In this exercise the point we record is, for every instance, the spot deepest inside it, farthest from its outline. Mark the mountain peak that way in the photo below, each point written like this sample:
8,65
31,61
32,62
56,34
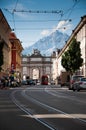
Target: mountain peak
48,44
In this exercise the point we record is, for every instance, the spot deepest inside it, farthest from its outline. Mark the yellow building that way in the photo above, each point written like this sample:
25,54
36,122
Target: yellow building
16,49
11,44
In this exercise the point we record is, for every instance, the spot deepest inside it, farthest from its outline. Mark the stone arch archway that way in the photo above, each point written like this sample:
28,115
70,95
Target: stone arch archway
35,73
24,76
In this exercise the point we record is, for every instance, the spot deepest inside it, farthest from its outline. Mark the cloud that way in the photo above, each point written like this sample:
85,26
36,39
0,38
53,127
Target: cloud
63,26
45,32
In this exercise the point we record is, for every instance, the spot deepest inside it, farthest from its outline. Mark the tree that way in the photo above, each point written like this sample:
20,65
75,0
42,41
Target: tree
71,59
1,55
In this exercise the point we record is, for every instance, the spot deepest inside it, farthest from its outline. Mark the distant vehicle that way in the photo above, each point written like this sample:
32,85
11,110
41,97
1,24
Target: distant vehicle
38,82
24,82
80,84
44,80
52,82
31,82
73,79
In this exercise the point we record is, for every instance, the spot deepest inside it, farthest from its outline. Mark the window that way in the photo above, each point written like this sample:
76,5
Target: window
24,70
24,59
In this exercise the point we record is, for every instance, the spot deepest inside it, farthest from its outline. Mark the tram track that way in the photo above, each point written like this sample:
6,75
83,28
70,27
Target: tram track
28,112
52,112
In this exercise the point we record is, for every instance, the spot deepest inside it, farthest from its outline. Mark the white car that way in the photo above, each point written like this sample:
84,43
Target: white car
73,80
80,84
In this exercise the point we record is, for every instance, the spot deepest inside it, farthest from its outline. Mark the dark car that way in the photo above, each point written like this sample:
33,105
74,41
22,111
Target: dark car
24,82
80,84
73,79
31,82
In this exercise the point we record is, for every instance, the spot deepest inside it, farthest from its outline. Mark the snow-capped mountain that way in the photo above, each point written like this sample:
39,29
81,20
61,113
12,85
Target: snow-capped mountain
48,44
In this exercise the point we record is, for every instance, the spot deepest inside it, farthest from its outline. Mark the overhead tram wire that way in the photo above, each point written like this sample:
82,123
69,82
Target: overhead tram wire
26,29
32,28
70,10
16,4
36,11
13,11
50,20
13,15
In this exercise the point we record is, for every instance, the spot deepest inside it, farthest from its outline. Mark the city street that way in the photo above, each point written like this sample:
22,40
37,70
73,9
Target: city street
43,108
42,65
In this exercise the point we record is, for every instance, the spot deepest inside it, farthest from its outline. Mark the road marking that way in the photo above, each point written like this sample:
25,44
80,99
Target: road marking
23,108
73,116
39,117
49,108
51,116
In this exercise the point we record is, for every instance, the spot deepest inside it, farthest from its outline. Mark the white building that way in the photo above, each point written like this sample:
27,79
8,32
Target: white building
80,34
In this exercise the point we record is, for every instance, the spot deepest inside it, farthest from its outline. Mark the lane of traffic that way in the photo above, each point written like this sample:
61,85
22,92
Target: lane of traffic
45,112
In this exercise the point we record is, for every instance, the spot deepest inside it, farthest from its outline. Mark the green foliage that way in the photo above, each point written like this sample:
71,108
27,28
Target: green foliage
1,55
71,59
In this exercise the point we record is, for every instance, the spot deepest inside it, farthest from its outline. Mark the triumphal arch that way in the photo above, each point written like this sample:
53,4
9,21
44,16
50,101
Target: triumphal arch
36,65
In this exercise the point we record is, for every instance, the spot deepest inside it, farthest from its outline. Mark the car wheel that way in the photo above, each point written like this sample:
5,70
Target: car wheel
78,89
73,89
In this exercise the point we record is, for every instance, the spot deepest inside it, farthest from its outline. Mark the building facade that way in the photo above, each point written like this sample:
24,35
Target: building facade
80,34
4,39
12,48
16,49
37,65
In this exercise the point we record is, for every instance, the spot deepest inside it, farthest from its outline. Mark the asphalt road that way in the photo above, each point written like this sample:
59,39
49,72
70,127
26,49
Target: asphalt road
42,108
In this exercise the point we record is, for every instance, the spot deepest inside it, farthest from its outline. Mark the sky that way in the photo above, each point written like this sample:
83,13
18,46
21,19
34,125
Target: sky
32,20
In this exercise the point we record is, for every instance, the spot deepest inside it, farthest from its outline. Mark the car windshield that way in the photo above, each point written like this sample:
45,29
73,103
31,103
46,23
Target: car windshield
77,77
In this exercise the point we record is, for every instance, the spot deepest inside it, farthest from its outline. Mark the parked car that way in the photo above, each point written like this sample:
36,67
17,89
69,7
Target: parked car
24,82
31,82
52,82
73,79
80,84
